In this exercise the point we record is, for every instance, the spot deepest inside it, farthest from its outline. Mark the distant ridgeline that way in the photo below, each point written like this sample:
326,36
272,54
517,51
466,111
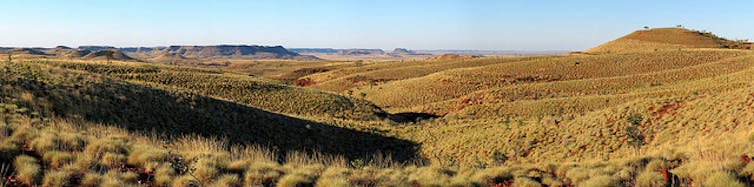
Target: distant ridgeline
172,52
395,52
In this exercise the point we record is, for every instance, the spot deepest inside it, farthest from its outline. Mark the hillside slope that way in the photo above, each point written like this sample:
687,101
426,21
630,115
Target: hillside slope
663,39
252,91
49,92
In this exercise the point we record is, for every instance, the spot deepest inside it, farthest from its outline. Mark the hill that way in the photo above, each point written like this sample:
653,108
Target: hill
631,117
25,51
103,55
67,52
663,39
225,51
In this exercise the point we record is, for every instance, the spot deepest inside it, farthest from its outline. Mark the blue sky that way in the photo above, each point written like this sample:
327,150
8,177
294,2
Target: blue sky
387,24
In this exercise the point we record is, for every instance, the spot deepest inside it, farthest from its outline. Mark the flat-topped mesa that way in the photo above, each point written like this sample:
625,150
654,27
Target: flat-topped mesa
361,52
664,39
222,51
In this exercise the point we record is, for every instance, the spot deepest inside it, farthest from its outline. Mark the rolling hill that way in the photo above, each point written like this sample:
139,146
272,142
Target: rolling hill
663,39
659,107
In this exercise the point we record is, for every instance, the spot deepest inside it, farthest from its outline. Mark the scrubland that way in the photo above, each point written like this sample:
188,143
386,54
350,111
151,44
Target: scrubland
670,117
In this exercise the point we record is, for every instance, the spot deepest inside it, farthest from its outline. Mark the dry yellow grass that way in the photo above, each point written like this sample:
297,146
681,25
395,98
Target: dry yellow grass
661,39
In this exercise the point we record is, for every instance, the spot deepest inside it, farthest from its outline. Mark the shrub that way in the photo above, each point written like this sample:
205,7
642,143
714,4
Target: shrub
28,170
722,179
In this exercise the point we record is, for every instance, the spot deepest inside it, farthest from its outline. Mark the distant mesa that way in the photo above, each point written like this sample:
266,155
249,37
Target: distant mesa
446,57
103,55
664,39
360,52
219,51
171,53
405,52
26,51
314,50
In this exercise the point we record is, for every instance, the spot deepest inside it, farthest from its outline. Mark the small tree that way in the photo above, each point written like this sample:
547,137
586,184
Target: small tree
109,55
634,133
646,27
10,56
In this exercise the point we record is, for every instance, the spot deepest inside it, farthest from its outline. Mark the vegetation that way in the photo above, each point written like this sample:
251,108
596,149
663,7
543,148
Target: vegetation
627,118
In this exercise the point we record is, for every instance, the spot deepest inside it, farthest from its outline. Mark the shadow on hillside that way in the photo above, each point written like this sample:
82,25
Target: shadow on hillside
412,117
144,109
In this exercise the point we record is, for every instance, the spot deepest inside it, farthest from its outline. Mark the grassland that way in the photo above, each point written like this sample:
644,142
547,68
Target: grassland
624,118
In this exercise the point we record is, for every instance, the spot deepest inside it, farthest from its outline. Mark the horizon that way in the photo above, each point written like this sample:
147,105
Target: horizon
415,25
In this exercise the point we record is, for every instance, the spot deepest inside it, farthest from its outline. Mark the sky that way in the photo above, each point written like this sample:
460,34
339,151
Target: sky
385,24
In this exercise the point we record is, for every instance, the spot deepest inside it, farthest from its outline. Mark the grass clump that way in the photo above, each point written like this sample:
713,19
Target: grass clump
599,181
57,159
230,180
28,170
722,179
58,179
295,180
91,179
650,178
264,174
